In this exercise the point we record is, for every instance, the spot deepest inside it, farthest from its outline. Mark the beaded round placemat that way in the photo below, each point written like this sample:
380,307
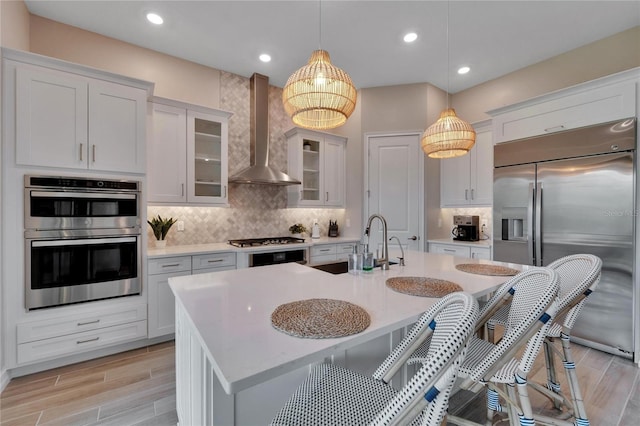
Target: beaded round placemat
320,318
422,286
480,269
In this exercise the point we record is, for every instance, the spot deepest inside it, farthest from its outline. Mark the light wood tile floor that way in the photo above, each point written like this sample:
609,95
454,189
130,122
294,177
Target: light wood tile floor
138,388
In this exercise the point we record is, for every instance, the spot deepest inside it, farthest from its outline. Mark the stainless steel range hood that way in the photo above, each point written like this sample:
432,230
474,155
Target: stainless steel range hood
259,172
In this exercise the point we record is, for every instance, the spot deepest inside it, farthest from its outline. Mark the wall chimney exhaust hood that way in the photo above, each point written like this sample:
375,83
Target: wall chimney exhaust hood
259,172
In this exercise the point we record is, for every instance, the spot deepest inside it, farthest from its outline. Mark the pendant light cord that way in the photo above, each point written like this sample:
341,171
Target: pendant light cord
448,59
320,25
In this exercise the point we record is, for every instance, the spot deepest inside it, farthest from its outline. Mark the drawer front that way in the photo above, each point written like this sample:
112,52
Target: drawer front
167,265
452,250
218,269
214,260
45,329
481,253
80,342
323,250
323,259
343,250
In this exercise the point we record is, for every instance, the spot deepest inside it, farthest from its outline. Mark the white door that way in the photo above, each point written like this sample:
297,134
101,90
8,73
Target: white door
395,189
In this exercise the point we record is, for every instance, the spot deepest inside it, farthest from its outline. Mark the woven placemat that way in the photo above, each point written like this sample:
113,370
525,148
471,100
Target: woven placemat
422,286
480,269
320,318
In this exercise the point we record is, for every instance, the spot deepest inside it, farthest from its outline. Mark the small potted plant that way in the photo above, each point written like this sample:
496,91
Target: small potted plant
160,229
297,229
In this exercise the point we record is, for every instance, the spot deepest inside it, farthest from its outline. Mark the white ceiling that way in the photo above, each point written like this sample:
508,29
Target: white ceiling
363,37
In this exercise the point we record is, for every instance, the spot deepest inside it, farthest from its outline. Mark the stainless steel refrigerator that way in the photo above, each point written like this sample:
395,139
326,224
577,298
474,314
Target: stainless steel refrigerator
573,192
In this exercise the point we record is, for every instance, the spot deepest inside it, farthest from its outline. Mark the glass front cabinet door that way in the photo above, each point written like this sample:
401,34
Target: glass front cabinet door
317,159
207,168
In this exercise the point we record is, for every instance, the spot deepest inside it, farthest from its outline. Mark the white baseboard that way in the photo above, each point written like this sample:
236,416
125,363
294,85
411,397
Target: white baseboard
4,379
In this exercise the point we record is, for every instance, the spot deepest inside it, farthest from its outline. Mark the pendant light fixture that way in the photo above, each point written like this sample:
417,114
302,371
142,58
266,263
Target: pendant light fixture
450,136
319,95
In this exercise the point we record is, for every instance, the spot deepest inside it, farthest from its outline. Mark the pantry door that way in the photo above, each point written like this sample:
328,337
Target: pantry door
394,187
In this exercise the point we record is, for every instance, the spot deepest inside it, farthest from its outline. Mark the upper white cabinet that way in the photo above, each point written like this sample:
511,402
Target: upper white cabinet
598,101
316,159
75,120
187,153
468,180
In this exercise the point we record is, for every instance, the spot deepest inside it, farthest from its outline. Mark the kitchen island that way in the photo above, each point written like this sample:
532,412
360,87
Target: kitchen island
233,367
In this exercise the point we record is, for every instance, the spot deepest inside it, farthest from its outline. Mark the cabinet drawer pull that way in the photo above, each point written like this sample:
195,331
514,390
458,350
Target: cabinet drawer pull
88,322
449,250
79,342
324,250
214,260
554,129
170,265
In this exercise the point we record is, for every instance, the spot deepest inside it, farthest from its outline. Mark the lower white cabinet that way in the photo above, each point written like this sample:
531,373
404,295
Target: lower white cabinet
323,253
460,250
52,338
161,304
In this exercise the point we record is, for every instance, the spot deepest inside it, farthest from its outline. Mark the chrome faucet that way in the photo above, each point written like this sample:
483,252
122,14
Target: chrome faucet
401,258
384,260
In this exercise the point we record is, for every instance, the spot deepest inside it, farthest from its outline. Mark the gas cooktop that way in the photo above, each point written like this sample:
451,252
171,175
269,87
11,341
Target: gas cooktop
272,241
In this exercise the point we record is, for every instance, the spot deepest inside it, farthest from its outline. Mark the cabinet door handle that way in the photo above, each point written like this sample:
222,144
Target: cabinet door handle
93,153
214,260
466,194
79,342
414,238
225,191
81,149
182,189
88,322
472,195
326,197
170,265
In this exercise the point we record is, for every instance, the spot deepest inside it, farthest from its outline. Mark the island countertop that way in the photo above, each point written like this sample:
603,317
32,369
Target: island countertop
230,311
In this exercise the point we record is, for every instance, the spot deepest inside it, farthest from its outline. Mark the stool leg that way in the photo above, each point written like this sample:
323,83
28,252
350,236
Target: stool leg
580,412
552,381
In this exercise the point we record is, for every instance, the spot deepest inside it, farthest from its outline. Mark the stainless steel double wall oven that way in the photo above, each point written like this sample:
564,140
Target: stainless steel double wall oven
82,240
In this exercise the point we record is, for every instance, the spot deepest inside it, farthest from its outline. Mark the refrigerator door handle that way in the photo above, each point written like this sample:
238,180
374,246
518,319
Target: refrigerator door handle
530,240
538,236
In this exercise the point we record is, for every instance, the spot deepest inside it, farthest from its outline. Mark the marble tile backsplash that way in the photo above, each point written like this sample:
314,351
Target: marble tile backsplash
217,224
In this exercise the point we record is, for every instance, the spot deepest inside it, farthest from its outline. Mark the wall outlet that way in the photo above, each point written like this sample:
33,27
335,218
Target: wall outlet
180,225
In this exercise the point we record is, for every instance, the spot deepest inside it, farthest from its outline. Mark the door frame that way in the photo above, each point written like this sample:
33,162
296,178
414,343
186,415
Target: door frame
366,192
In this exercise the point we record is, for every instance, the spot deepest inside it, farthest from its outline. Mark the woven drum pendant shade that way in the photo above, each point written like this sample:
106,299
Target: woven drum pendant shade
448,137
319,95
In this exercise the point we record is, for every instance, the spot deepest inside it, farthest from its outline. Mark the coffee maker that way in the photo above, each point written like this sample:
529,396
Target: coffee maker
466,228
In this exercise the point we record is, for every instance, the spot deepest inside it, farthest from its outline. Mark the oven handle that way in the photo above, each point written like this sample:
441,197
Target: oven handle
85,241
74,194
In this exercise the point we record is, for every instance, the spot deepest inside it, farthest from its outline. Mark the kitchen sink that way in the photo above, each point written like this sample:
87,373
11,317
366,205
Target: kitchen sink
340,267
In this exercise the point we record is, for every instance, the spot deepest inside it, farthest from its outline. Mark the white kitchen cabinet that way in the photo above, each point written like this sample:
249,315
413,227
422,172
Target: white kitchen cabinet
161,320
599,101
71,334
323,253
72,121
161,301
460,250
317,159
468,180
188,153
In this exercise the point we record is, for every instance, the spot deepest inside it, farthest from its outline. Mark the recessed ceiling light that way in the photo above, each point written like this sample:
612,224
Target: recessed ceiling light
463,70
410,37
265,58
154,18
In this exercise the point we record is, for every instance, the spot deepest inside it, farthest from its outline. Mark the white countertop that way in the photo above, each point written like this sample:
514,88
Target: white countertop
481,243
230,311
195,249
